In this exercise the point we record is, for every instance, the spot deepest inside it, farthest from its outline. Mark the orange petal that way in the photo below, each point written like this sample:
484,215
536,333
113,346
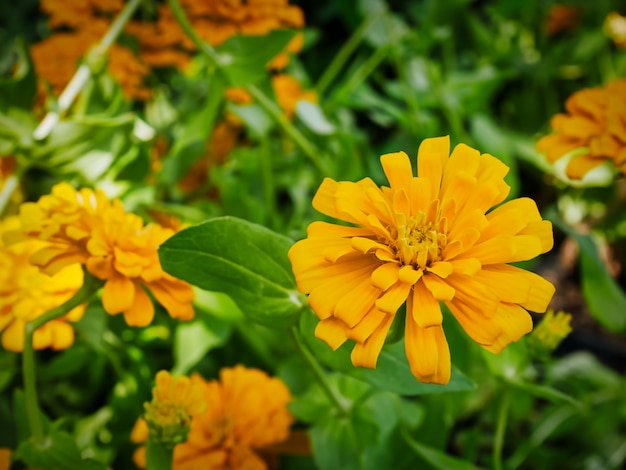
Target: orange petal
423,307
366,354
141,312
514,321
432,156
118,294
397,168
332,331
427,352
580,165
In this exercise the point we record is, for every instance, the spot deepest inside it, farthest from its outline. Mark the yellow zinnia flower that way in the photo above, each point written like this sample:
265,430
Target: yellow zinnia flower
423,240
26,293
246,410
595,123
552,330
115,246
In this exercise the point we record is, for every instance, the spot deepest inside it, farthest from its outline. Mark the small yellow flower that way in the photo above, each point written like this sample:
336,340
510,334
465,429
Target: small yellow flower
85,227
425,239
552,330
26,293
595,124
246,410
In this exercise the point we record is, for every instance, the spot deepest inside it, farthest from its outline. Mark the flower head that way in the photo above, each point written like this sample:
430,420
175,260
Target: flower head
422,240
175,400
26,293
552,330
246,410
85,227
594,124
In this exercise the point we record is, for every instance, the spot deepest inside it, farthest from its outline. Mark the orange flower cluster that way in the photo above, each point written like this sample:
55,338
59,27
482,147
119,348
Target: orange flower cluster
163,43
595,123
85,227
26,293
246,410
83,24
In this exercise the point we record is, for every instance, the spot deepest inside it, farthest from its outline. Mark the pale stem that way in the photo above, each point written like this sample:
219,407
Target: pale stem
318,372
88,289
159,456
9,187
83,72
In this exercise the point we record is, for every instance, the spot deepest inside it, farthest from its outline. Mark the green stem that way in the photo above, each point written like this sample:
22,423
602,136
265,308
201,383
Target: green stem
159,456
364,70
89,288
346,51
83,72
299,139
319,374
498,441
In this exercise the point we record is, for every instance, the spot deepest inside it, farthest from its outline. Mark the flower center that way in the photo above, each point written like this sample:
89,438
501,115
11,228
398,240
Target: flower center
418,242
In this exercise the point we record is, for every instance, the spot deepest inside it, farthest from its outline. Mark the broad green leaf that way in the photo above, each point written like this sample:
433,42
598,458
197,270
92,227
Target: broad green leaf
392,371
605,299
244,260
194,339
57,451
243,59
335,444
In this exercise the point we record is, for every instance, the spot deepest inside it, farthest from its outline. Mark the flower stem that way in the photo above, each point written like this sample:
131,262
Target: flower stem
346,51
88,289
299,139
159,456
83,72
498,441
319,374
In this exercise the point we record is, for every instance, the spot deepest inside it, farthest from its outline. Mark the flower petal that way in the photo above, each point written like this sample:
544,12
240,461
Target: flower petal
118,294
141,311
366,354
432,156
332,331
398,170
514,321
393,298
428,353
423,307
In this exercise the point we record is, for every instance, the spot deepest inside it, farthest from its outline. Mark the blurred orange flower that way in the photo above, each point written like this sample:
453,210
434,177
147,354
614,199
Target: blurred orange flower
595,123
289,91
26,293
85,227
77,27
164,43
425,239
561,18
246,411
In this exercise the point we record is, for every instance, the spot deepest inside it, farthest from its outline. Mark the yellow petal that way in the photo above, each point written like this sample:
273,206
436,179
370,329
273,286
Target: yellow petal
469,266
356,302
542,230
409,275
393,298
367,326
397,168
328,230
515,323
366,354
439,289
62,335
385,276
476,324
432,156
140,431
441,268
118,294
427,352
141,312
166,295
332,331
13,336
423,307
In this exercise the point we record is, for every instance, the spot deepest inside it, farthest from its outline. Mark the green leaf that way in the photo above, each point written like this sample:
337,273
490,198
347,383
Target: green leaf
56,451
313,117
438,459
243,59
244,260
605,299
194,339
392,371
334,444
21,87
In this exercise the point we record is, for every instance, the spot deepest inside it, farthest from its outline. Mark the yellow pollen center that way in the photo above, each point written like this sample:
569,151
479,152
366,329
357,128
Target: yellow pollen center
418,242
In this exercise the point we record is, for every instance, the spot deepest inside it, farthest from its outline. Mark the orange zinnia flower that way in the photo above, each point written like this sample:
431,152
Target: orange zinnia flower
246,410
595,123
26,293
115,246
423,240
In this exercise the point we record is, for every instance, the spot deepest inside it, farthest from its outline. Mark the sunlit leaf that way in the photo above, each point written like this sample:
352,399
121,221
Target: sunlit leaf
244,260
